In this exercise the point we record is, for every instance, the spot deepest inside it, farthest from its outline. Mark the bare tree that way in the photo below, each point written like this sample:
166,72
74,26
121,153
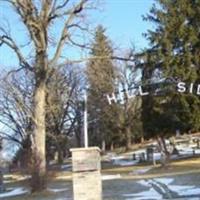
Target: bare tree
63,96
16,93
41,19
130,107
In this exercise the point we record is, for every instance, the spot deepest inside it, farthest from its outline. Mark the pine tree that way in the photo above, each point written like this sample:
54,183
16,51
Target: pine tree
174,55
101,79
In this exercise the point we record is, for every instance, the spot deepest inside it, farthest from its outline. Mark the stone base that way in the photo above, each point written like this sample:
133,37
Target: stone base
87,185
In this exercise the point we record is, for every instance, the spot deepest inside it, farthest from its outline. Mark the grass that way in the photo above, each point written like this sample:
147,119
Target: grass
176,167
63,179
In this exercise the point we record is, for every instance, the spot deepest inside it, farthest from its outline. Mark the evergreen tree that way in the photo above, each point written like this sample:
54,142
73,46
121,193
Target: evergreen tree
174,55
101,79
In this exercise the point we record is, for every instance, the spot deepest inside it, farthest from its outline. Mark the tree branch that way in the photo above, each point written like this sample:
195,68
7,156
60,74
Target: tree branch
65,32
81,60
7,40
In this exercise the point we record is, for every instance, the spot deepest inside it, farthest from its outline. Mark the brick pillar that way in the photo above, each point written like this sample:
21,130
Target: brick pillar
87,183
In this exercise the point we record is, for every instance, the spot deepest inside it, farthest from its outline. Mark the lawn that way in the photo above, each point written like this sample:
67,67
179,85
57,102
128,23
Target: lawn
117,180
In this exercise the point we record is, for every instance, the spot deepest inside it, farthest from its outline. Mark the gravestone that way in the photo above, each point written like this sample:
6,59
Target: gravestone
141,157
87,184
150,156
134,156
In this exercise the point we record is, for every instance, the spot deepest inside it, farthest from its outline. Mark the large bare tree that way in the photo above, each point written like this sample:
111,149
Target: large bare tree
51,26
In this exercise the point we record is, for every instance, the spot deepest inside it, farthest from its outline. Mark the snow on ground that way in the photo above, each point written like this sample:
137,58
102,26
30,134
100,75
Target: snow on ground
197,151
145,195
157,156
113,158
14,192
21,190
66,166
123,162
185,151
141,171
186,190
110,177
181,190
165,181
57,190
126,159
143,182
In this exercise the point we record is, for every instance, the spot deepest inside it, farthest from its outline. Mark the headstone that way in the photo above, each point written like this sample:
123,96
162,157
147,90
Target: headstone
141,157
87,184
149,154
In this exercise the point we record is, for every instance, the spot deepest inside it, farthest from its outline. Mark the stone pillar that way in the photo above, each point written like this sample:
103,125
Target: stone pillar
87,184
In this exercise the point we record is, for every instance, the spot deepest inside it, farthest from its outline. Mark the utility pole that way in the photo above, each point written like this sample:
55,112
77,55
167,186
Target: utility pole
85,121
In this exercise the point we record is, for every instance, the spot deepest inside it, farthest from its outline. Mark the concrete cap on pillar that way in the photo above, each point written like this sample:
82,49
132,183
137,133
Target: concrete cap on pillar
86,159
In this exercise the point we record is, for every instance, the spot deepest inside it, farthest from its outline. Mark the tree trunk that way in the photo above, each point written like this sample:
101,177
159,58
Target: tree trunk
1,181
128,138
103,145
142,139
165,155
39,147
112,146
78,137
60,155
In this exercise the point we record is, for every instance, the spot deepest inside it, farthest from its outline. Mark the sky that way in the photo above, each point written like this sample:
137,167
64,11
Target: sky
121,18
124,23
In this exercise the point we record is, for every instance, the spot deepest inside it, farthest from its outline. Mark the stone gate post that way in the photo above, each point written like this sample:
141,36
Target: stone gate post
87,184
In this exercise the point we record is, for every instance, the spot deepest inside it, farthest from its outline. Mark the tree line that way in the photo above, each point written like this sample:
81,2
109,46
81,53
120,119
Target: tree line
41,101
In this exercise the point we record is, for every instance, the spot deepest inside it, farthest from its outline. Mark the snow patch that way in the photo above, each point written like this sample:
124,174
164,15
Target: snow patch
57,190
185,190
125,162
181,190
14,192
110,177
141,171
157,156
67,166
145,195
165,181
197,151
143,182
